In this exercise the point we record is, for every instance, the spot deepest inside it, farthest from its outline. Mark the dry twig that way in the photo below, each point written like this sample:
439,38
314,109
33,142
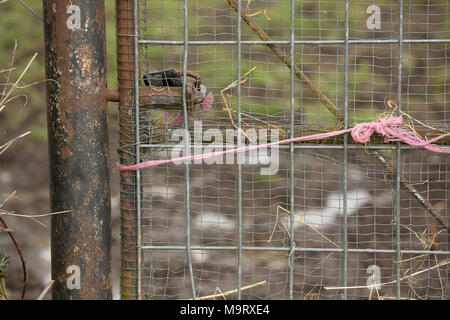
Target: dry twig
6,96
24,264
227,100
46,289
287,61
226,293
406,185
443,263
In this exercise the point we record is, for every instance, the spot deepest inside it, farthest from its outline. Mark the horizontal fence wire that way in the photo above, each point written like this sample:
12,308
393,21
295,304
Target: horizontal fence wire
296,42
288,249
325,220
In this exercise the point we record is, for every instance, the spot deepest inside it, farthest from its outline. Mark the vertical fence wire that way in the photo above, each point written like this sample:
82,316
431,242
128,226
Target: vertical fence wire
345,172
398,154
138,150
292,152
239,144
187,151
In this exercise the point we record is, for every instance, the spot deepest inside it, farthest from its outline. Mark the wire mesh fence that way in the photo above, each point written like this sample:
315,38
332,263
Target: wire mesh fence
327,219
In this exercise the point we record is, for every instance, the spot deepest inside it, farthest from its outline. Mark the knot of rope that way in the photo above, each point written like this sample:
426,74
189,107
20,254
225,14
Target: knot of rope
389,128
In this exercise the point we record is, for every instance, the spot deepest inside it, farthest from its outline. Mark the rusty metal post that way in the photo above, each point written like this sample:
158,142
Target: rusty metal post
78,148
127,149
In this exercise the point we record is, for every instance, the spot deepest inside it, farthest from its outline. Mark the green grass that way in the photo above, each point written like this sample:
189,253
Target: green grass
38,132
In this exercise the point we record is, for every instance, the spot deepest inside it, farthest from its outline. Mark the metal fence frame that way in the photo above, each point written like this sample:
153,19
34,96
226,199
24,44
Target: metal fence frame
136,269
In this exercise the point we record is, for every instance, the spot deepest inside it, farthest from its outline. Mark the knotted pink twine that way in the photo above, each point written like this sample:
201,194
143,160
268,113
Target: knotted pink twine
389,128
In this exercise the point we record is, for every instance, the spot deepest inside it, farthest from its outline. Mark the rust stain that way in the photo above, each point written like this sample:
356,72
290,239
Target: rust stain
125,76
78,148
66,153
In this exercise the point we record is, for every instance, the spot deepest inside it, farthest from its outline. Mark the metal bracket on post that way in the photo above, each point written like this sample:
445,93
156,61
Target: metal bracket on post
78,148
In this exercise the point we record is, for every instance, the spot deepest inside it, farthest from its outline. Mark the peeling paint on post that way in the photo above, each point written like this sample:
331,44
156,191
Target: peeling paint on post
78,148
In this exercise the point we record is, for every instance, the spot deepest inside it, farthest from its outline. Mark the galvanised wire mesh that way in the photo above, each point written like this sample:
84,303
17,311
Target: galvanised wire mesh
333,219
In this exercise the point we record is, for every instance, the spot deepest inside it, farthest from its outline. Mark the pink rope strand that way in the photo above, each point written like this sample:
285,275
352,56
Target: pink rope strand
389,128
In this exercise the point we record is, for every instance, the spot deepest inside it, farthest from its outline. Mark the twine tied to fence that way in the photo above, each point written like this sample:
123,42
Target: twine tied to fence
390,128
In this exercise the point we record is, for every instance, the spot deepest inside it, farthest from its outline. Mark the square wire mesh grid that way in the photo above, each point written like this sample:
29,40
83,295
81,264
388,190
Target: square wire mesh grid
335,220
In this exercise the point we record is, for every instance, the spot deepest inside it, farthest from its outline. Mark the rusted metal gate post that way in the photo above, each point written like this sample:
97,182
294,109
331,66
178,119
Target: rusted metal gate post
78,147
126,79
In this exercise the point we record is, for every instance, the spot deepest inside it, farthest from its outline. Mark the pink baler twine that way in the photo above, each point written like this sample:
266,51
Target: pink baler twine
389,128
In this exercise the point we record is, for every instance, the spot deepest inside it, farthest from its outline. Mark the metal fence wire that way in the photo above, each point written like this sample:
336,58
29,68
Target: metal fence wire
324,219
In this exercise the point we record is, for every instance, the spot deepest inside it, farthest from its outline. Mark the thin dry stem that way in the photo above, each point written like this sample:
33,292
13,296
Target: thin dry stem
310,294
391,104
318,232
8,144
265,122
412,258
33,215
423,239
7,70
8,198
321,262
6,96
443,263
15,85
221,293
245,13
278,220
19,251
11,68
46,289
413,191
440,279
287,61
227,107
227,293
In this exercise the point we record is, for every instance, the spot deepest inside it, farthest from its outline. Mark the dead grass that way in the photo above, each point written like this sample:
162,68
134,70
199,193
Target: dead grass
7,95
